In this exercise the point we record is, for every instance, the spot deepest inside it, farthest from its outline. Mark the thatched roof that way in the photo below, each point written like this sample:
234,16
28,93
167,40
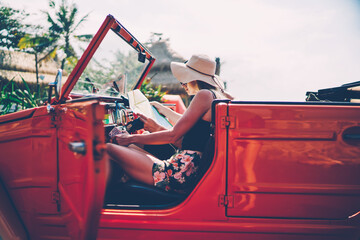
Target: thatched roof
20,64
160,72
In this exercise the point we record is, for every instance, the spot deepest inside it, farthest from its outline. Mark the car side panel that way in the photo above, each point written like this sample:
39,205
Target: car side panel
11,226
290,161
82,175
228,231
203,214
28,168
200,206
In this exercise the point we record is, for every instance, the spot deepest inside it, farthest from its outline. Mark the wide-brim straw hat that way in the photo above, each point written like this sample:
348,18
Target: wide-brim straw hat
199,67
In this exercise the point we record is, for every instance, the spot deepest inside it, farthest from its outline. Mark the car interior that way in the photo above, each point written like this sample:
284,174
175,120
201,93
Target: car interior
123,192
133,194
126,193
112,75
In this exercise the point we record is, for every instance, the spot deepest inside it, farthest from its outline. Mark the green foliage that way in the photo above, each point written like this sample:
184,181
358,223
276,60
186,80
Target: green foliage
37,44
100,72
12,28
63,26
153,94
14,97
54,43
103,72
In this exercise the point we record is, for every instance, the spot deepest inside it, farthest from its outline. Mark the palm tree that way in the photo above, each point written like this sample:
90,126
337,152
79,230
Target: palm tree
63,27
12,28
39,45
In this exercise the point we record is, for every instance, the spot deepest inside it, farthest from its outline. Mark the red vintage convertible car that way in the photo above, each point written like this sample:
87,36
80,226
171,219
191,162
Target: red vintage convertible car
280,170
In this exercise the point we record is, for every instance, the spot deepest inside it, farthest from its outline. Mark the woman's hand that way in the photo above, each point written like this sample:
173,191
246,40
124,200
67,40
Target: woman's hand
150,124
171,115
158,106
122,139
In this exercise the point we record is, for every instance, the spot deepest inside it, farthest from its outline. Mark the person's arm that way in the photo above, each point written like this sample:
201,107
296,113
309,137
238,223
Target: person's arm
150,124
167,112
198,107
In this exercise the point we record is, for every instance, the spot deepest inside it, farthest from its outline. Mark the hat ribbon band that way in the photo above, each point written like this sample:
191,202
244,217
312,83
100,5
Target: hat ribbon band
199,71
212,76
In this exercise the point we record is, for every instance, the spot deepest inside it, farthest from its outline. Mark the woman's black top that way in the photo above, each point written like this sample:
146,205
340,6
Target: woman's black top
197,137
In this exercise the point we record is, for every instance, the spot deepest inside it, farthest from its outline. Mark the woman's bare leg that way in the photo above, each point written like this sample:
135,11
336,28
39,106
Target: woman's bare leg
136,164
136,147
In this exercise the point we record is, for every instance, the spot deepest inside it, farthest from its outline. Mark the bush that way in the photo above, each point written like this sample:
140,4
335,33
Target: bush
19,96
151,93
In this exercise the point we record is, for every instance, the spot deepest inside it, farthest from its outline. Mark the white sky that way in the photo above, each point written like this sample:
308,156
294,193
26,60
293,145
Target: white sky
270,49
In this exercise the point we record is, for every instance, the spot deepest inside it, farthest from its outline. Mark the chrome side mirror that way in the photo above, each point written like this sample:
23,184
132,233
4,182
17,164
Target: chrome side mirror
55,85
58,83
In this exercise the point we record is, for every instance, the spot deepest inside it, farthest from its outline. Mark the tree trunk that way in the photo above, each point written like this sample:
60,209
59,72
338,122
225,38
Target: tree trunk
63,64
66,50
37,74
218,65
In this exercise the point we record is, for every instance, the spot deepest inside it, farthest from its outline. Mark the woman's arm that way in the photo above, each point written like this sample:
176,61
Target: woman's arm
150,124
167,112
198,107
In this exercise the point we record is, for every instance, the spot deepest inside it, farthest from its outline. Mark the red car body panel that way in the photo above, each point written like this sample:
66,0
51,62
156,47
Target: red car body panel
82,176
279,171
41,174
294,157
268,195
27,142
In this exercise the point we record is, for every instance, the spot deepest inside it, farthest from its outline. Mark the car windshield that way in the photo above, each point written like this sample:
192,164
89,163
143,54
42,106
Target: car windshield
112,71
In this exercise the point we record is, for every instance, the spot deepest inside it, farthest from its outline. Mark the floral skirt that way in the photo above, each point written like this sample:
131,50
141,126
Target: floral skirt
179,172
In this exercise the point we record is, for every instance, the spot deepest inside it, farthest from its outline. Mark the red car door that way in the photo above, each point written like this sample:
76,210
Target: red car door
28,168
293,161
82,166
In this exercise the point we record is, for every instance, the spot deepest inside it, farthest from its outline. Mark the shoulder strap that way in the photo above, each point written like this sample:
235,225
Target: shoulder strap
214,95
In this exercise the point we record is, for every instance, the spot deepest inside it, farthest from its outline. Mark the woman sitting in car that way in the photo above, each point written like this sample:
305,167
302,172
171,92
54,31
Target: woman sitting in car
198,78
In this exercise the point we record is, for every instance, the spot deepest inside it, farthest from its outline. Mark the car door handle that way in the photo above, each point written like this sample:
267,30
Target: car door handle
78,147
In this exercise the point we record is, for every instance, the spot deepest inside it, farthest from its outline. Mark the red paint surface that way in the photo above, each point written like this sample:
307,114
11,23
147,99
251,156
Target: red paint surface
285,171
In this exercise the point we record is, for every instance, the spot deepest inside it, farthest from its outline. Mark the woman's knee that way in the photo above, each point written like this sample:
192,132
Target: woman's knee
113,150
109,148
113,147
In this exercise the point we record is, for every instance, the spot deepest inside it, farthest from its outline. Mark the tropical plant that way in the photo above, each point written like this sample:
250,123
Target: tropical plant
12,28
14,98
103,72
63,26
153,94
39,46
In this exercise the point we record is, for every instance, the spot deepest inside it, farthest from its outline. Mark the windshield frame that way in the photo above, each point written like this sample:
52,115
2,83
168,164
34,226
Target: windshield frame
109,23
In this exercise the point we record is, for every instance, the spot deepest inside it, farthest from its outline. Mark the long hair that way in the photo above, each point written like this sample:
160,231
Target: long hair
204,85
